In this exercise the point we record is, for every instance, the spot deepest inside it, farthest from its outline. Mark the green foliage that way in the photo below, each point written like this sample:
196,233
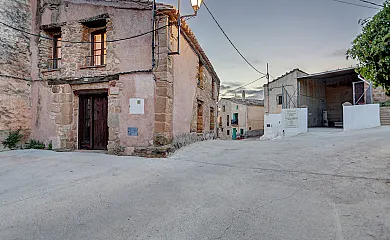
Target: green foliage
13,138
372,48
385,104
34,144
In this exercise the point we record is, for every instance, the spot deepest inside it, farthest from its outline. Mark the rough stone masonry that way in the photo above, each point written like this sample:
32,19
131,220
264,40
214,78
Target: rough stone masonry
15,67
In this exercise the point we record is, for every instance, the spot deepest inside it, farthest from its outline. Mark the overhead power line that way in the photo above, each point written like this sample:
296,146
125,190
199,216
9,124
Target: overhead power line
243,86
372,3
81,42
354,4
227,37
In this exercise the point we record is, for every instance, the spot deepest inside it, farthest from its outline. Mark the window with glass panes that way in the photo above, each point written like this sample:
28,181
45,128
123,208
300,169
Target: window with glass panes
56,51
99,48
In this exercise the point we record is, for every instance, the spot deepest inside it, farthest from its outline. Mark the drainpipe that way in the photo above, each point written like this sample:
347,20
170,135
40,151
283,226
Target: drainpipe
154,13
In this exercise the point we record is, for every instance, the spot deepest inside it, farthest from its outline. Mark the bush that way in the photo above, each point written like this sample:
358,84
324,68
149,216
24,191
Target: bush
385,104
13,138
34,144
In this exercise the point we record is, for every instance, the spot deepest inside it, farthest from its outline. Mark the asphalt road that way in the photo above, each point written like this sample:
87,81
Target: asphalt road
322,185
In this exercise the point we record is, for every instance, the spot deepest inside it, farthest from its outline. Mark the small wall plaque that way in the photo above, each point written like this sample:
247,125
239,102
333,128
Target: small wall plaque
132,131
114,90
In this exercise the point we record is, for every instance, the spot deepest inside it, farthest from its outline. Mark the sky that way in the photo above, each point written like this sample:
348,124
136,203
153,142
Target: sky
312,35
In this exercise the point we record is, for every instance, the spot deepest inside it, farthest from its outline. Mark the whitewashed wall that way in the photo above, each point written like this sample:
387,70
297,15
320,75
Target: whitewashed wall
294,121
290,122
272,126
361,117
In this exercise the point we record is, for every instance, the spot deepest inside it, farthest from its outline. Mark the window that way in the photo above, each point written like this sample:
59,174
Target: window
279,99
99,48
56,60
200,74
250,128
237,107
223,108
199,126
220,121
228,121
228,132
213,90
235,119
212,119
241,131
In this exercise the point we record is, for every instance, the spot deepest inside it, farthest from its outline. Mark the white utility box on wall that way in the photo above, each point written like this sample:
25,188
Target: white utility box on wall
137,106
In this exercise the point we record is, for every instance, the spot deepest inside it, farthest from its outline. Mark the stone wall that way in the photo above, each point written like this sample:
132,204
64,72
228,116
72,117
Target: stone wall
204,95
379,95
15,85
254,133
75,56
163,131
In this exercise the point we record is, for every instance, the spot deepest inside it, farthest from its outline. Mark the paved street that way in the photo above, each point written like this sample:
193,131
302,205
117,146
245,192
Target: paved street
323,185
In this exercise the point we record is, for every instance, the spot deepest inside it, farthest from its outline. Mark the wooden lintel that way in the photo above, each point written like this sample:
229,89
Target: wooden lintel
85,80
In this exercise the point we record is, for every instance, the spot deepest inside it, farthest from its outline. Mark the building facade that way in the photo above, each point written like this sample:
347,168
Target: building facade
240,118
105,80
282,90
322,93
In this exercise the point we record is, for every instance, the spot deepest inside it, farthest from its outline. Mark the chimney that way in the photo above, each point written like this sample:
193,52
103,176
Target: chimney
243,94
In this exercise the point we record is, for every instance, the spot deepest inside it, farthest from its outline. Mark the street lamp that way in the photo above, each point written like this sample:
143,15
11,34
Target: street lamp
196,5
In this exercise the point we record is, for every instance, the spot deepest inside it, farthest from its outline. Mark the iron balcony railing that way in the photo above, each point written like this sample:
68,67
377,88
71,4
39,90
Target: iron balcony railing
54,63
95,60
234,121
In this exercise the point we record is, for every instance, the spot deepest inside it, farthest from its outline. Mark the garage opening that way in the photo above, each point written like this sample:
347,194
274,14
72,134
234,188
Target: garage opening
325,93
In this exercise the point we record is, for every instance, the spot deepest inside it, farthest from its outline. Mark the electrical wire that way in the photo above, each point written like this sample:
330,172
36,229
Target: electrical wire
81,42
227,37
243,86
372,3
354,4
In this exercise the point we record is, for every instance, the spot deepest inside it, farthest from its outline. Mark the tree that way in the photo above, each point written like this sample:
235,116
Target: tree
372,48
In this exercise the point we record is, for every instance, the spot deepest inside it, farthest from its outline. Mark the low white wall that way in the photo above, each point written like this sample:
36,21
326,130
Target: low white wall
361,117
294,121
272,126
290,122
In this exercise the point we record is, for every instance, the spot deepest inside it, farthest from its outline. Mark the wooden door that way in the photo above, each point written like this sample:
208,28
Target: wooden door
85,122
100,129
93,130
234,135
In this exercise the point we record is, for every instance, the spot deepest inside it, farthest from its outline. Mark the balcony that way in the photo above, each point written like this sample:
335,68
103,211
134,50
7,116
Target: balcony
234,121
53,64
95,61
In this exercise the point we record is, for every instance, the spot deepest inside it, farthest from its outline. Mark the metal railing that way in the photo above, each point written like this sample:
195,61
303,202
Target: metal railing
95,60
54,63
234,121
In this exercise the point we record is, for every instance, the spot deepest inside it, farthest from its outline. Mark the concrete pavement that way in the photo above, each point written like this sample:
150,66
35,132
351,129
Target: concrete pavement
322,185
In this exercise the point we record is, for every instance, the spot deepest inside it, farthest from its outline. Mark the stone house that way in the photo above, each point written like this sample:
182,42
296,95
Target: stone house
104,79
240,118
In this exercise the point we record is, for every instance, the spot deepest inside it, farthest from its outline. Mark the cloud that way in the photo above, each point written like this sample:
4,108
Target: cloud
225,87
339,53
257,61
232,84
249,93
